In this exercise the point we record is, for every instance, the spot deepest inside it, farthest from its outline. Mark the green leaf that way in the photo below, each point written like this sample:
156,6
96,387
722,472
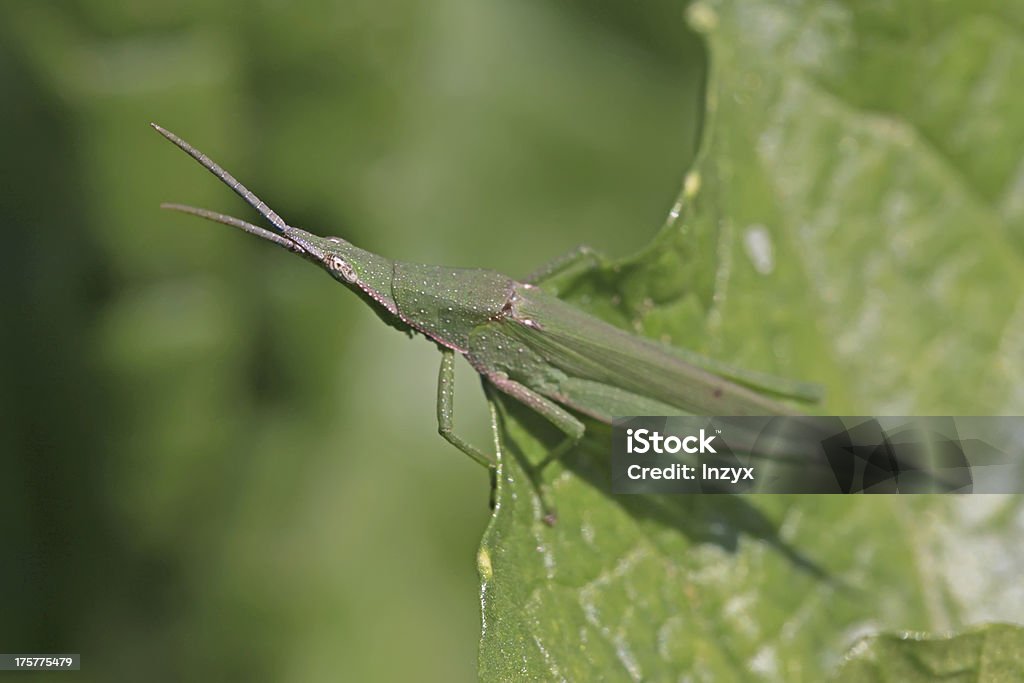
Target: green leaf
992,654
852,220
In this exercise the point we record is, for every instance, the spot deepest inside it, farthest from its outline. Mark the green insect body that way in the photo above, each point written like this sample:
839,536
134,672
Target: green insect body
524,341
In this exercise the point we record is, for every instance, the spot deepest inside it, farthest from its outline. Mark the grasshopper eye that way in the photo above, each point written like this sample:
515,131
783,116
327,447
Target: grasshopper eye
341,267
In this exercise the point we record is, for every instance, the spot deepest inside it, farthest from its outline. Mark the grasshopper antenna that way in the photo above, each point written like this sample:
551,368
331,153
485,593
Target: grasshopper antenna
229,180
235,223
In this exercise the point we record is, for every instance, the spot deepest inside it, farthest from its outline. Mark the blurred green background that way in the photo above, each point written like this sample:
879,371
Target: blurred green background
217,463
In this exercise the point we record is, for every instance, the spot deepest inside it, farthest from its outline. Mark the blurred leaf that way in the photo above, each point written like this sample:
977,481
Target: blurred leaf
180,399
839,226
991,654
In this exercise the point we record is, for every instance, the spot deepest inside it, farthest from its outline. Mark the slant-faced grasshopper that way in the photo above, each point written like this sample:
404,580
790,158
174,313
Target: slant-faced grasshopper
525,342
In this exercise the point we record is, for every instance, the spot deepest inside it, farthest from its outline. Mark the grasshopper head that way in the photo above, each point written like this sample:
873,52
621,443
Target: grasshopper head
366,273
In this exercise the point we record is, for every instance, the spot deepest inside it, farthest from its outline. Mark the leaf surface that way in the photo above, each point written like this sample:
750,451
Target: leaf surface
853,218
986,655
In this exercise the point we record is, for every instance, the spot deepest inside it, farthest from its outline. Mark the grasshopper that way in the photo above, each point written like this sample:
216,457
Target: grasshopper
523,341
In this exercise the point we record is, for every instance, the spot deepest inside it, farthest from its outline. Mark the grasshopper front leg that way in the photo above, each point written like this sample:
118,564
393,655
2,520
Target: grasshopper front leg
445,423
445,410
